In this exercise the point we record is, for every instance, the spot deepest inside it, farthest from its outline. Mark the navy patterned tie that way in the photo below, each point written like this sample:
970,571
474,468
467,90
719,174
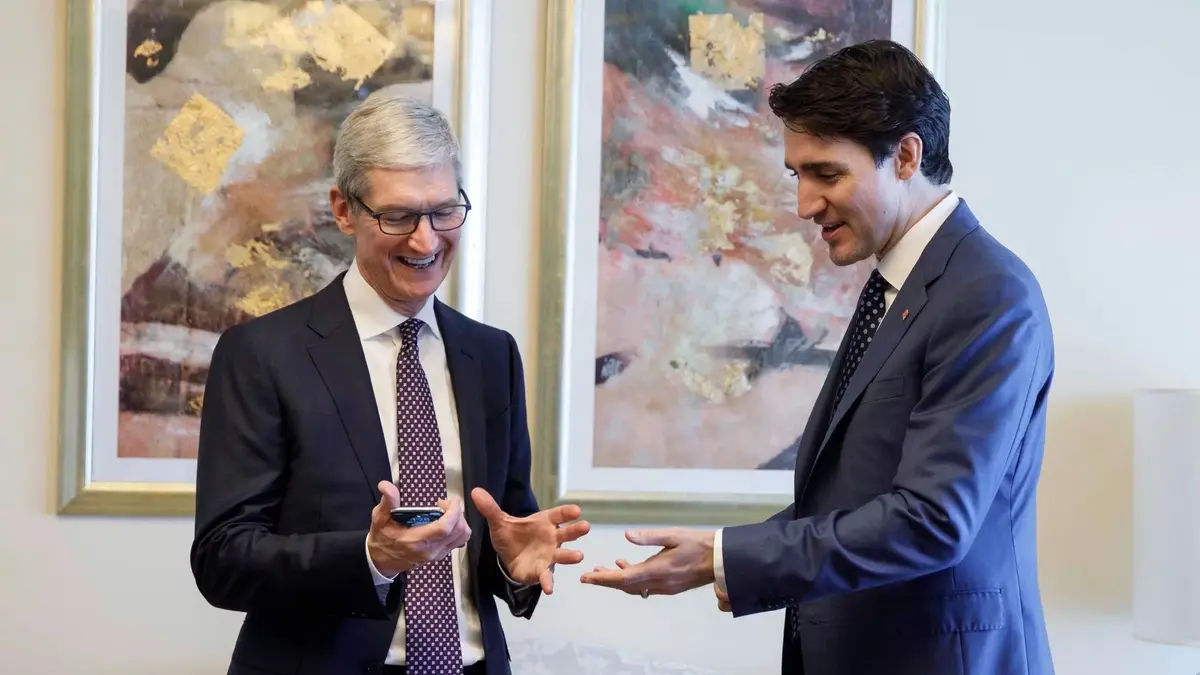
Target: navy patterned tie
430,615
867,318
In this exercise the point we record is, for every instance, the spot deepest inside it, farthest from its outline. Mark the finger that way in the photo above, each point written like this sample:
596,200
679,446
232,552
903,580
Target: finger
562,514
488,508
566,556
604,577
653,537
443,527
547,580
573,531
724,606
389,495
622,563
629,578
461,536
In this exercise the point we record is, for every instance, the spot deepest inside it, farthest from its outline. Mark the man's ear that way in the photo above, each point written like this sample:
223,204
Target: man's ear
908,156
339,205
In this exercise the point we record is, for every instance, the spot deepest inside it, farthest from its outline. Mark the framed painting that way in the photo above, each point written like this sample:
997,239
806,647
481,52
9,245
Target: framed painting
688,316
199,161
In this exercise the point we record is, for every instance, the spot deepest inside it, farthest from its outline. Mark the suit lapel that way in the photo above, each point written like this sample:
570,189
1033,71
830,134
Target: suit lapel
338,356
466,380
818,420
903,313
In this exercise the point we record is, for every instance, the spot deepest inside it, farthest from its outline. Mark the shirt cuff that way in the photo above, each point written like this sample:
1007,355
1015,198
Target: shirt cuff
380,579
507,578
719,563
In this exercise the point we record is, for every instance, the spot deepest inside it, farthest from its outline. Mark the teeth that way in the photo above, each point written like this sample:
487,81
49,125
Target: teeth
418,261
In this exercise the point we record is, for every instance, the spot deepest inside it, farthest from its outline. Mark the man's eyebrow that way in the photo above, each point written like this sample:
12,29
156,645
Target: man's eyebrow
817,167
449,201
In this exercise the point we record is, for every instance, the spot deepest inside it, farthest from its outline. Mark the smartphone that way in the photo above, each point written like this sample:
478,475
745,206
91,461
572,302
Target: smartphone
413,516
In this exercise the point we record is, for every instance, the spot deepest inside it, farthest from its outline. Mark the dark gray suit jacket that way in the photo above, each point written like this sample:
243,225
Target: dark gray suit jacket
910,548
291,452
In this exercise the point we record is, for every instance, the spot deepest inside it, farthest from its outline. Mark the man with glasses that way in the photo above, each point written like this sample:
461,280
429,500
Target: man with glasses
321,418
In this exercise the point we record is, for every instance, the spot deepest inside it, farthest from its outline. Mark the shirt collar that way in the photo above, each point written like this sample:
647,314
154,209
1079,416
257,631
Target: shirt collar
373,316
899,262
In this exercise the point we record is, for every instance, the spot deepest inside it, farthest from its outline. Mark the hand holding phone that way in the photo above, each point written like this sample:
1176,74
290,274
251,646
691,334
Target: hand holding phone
415,516
402,538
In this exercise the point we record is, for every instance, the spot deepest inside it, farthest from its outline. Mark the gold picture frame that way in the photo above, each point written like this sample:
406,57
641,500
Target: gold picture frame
574,53
94,479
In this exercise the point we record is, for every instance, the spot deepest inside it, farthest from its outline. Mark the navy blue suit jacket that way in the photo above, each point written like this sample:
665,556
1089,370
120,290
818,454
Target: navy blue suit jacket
291,452
910,547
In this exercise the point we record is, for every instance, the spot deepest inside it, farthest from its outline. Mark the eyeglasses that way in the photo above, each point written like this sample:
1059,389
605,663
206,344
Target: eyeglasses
399,222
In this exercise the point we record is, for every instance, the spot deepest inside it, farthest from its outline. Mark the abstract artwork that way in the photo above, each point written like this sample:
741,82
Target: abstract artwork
212,132
710,311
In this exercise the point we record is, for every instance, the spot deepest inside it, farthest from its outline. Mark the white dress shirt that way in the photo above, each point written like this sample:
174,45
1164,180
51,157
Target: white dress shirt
377,325
894,267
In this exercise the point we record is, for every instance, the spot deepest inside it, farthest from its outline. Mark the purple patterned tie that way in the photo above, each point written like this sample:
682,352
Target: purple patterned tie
430,615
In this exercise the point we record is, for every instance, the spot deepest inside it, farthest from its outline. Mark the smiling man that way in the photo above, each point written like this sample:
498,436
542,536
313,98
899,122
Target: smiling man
910,547
321,418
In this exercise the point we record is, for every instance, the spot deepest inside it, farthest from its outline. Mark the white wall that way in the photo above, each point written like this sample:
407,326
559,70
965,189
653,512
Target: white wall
1071,142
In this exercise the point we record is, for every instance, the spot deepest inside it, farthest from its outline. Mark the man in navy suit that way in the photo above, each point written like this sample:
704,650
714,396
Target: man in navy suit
323,416
910,546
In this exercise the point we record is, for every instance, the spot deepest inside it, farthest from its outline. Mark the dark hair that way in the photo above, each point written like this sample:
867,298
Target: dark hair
871,93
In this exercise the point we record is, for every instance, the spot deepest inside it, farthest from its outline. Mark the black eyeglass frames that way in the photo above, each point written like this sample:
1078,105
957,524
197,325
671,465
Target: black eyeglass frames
399,222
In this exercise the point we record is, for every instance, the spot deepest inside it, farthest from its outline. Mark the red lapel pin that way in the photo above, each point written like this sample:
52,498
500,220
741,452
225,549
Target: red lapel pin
904,315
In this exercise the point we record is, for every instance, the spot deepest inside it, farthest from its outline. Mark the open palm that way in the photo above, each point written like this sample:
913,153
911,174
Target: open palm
529,547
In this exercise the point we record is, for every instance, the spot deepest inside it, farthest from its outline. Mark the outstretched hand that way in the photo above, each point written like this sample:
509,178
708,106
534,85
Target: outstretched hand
685,562
529,547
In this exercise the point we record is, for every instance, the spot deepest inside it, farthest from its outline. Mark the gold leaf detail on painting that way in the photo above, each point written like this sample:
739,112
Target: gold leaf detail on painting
722,49
286,79
254,252
271,227
790,258
722,220
196,403
198,143
149,50
418,21
264,299
339,39
731,381
344,41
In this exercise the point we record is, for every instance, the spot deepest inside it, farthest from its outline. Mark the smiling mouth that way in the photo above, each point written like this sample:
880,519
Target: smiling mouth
418,263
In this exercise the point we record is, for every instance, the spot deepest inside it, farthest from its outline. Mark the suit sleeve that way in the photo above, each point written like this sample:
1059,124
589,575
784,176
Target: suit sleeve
987,360
518,498
239,560
719,556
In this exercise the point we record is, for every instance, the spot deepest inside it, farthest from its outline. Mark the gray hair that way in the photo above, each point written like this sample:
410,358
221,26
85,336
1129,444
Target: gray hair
390,130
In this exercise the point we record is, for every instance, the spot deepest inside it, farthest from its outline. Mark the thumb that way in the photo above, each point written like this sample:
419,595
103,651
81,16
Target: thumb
653,537
390,498
488,508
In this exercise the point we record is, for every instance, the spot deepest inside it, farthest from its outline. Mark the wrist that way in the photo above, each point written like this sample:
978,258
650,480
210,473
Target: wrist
710,546
385,563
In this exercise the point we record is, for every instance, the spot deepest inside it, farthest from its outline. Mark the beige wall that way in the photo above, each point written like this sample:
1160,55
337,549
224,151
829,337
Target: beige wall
1065,141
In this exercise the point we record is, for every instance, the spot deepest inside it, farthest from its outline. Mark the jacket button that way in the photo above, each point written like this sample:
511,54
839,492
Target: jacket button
372,668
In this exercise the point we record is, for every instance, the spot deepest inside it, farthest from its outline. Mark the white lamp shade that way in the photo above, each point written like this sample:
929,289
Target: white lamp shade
1166,516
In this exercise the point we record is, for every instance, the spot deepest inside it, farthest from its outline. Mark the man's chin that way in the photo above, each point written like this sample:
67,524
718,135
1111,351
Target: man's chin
843,258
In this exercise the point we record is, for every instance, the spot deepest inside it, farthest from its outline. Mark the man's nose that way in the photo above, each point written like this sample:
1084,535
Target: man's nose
809,203
424,239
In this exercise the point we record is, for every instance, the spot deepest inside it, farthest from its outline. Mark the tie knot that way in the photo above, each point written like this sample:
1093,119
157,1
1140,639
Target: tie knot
872,292
876,280
409,330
